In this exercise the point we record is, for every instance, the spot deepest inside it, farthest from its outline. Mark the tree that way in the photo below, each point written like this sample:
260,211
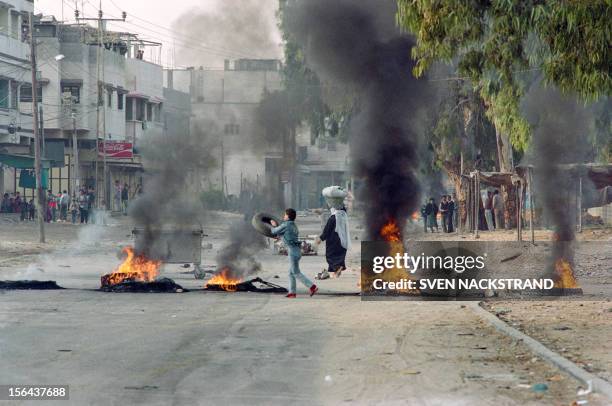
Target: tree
496,43
459,125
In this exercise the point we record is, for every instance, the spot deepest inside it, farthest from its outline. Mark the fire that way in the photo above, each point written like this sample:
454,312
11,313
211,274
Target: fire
390,231
224,280
134,267
564,275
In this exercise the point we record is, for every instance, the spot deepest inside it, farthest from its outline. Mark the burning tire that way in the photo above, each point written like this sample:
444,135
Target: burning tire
261,223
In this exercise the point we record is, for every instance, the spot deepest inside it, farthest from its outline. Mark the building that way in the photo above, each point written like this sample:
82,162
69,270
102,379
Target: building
106,97
15,83
177,109
320,164
224,103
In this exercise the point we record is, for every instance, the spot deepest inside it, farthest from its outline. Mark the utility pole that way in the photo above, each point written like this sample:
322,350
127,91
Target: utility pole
101,95
75,158
37,158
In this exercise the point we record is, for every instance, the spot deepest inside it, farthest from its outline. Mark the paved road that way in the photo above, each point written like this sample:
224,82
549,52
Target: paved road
244,348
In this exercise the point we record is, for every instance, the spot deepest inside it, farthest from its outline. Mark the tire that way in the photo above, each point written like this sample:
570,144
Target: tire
261,223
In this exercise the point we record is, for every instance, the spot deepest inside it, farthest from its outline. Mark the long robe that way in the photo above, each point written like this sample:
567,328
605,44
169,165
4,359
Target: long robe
335,253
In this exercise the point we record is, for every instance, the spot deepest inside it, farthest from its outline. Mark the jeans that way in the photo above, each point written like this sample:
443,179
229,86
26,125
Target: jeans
295,273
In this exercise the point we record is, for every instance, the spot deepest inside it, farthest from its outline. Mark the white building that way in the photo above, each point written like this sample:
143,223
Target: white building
15,76
122,112
224,102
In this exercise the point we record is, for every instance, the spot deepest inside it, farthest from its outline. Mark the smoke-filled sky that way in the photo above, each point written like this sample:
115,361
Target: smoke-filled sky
193,32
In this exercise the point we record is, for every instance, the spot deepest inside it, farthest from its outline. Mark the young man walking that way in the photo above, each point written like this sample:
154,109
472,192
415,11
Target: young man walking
289,232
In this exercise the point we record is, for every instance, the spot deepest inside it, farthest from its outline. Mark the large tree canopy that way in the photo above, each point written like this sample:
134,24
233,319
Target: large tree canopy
495,42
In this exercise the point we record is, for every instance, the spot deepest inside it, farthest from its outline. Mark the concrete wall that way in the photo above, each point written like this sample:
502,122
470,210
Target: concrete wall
224,106
144,77
177,112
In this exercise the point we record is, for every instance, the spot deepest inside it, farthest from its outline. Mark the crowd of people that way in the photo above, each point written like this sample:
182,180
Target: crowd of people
14,203
448,212
491,213
62,207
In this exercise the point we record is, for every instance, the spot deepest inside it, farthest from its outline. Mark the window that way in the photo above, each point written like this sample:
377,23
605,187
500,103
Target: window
4,94
109,97
119,100
129,108
100,95
149,111
14,94
26,93
232,129
75,92
140,110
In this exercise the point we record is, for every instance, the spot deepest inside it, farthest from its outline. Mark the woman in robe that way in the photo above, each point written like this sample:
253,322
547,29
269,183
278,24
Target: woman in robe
337,242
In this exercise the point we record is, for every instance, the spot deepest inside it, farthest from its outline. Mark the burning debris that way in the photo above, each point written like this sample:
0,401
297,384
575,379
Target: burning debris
135,267
258,285
161,285
138,274
223,281
29,285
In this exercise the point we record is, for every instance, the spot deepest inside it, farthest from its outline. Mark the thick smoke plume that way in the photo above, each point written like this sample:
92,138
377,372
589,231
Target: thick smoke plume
169,198
357,44
237,258
230,30
560,129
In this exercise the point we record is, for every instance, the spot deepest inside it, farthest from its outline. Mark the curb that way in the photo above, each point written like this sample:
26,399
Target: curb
598,384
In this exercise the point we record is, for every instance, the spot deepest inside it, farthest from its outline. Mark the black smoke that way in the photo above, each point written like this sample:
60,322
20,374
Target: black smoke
357,44
173,164
560,129
228,30
238,257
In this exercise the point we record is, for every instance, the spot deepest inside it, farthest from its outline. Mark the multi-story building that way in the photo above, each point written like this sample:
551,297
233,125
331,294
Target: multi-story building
107,97
323,164
224,104
15,82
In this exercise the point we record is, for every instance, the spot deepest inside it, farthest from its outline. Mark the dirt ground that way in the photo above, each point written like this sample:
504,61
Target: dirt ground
580,331
247,348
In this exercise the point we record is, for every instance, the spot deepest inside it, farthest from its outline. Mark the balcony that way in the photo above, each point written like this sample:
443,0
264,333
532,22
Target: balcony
13,47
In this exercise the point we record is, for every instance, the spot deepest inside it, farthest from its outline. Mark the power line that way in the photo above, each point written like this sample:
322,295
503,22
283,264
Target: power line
178,34
189,42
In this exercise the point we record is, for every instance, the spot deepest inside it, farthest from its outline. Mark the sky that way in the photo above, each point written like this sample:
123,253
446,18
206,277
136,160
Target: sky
193,32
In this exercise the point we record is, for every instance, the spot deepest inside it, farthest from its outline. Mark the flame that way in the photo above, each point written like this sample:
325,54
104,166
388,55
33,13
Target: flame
224,280
134,267
564,275
390,231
